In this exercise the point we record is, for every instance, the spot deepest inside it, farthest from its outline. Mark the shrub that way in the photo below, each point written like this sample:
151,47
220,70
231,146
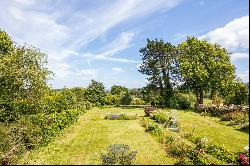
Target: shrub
137,101
167,118
154,129
237,114
120,116
113,99
160,116
118,154
181,101
217,100
126,99
245,127
148,110
244,157
237,117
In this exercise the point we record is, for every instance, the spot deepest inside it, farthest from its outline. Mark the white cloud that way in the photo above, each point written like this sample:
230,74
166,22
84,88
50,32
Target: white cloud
88,73
239,55
117,70
233,36
244,76
61,31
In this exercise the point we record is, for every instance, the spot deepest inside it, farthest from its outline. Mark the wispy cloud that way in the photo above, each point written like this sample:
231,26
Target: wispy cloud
121,42
117,70
62,28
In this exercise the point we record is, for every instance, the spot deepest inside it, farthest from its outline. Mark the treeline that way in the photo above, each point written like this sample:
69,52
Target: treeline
192,67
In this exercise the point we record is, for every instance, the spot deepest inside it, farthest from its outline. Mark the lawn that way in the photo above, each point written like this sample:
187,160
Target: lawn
214,130
84,142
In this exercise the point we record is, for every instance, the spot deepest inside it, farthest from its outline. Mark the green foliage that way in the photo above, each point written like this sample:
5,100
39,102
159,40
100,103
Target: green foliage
126,99
136,92
118,154
137,101
118,90
6,44
235,113
113,99
159,64
217,100
32,131
204,66
160,116
181,101
239,94
23,78
95,93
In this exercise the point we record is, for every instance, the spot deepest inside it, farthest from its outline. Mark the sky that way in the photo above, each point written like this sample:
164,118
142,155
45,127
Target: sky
100,39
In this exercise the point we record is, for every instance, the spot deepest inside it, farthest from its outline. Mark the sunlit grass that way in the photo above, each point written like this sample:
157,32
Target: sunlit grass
84,142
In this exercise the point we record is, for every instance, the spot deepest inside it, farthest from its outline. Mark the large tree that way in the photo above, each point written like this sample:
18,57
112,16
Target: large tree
204,67
95,93
159,64
23,77
118,90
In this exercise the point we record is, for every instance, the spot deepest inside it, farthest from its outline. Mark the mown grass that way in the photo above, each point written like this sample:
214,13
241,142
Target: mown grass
84,142
214,130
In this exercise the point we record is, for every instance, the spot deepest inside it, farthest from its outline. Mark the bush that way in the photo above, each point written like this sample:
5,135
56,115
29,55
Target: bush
148,110
126,99
167,118
154,128
181,101
118,154
217,100
237,117
235,113
120,116
113,99
32,131
137,101
160,116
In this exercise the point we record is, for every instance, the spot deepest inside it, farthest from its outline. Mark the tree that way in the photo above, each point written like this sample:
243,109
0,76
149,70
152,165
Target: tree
237,93
126,99
136,92
23,78
113,99
115,89
159,64
204,67
95,92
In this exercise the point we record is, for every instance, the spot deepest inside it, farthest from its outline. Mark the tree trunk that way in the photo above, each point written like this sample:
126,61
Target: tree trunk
201,96
197,96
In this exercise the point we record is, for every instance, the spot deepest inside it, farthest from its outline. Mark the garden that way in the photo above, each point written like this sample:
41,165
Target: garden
193,111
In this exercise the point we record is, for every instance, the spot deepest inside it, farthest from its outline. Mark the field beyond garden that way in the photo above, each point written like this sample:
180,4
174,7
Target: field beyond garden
86,140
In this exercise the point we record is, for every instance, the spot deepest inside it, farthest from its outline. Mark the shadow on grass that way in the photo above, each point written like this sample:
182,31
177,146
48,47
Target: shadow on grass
243,131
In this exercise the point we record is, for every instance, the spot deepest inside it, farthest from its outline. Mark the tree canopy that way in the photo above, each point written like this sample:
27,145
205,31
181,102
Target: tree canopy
204,66
159,64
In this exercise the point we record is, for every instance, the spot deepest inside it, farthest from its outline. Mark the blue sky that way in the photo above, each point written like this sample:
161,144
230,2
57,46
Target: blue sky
100,39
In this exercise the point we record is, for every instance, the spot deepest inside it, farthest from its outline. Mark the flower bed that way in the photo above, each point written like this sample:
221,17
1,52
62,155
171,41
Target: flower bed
120,116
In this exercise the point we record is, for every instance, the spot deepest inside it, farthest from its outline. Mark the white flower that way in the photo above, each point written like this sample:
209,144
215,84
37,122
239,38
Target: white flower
246,148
